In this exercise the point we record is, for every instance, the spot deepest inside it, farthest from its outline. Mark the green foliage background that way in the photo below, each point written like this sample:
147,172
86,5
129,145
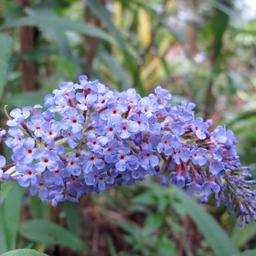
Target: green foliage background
203,51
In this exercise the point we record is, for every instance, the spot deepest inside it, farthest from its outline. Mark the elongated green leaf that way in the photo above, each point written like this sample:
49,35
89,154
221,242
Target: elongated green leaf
9,217
72,216
24,252
48,233
241,117
4,190
5,53
25,98
117,70
176,33
39,209
49,20
247,253
210,229
101,12
241,236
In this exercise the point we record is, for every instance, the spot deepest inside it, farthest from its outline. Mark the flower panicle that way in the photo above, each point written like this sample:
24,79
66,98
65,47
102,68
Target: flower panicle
86,137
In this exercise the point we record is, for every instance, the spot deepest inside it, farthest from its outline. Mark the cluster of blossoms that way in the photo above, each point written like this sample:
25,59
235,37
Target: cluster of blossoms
87,137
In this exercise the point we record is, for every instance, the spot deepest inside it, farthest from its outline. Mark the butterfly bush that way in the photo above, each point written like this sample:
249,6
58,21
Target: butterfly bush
86,137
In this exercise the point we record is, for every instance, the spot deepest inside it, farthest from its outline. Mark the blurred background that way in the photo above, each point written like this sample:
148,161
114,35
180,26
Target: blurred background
200,50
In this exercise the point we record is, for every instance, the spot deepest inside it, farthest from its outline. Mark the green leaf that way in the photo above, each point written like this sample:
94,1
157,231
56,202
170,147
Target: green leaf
208,226
24,252
5,188
176,33
48,20
5,53
241,236
39,209
166,247
153,222
48,233
25,99
118,71
111,247
242,117
247,253
98,9
64,67
9,216
219,24
72,216
129,53
144,199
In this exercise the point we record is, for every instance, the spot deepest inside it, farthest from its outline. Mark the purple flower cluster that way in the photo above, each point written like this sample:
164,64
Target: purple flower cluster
87,137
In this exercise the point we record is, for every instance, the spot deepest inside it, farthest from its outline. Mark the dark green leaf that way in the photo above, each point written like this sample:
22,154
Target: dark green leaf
242,117
24,252
9,217
213,233
25,99
247,253
98,9
72,216
153,222
48,233
241,236
5,52
111,246
177,33
166,247
117,70
38,208
49,20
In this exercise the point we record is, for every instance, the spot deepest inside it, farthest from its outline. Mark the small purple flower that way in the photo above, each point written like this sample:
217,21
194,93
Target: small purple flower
141,121
219,135
82,105
46,160
163,96
18,115
28,176
215,167
208,188
73,166
74,120
146,107
37,124
126,128
15,139
92,161
110,152
72,138
199,156
114,112
2,134
122,159
181,154
2,161
51,132
148,160
199,127
27,152
95,143
60,104
168,142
